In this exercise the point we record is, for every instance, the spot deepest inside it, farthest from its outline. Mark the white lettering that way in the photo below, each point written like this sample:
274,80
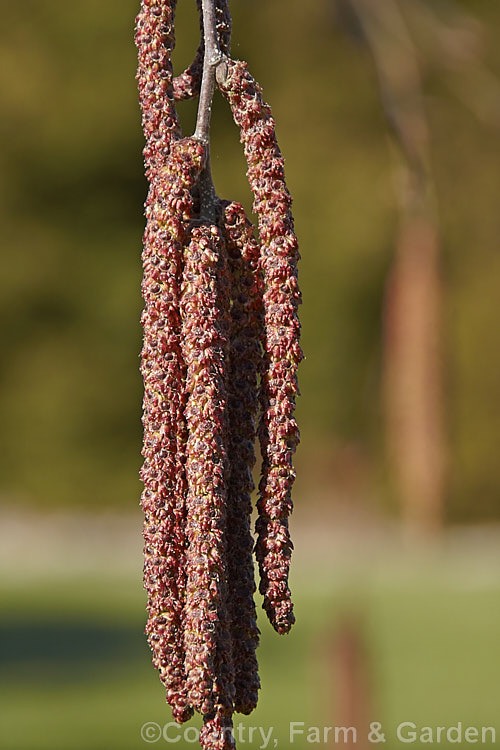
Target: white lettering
493,734
166,735
426,734
471,735
326,733
266,737
313,735
439,733
454,730
296,728
408,736
345,732
240,729
191,734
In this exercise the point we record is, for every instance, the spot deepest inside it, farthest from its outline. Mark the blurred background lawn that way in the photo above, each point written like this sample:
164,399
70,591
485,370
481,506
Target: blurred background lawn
391,626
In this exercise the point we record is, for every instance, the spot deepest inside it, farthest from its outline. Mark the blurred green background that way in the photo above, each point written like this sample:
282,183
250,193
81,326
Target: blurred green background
418,619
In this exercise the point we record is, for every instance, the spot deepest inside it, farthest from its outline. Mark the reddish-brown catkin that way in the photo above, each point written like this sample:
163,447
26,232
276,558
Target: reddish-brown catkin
217,730
278,430
220,308
205,325
168,210
244,365
155,41
187,84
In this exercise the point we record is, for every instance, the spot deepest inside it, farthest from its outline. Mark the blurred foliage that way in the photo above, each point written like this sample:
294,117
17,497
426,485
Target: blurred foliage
72,187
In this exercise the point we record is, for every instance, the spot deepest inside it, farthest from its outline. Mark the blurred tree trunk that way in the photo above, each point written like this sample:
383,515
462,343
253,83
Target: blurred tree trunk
412,356
412,369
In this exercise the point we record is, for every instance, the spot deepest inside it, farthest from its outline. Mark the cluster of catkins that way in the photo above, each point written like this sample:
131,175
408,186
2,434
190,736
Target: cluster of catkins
219,362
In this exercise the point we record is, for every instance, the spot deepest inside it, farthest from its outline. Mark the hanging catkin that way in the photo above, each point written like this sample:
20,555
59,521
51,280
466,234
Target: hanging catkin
219,363
155,42
168,206
205,316
278,430
244,365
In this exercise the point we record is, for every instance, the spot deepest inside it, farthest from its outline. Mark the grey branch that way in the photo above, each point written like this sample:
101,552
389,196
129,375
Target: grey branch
208,196
211,58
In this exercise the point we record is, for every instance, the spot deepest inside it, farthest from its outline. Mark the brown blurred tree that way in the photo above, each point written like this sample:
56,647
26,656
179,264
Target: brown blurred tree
412,356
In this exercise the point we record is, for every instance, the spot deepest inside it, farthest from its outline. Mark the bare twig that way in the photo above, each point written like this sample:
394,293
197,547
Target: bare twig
454,42
208,196
211,58
395,59
187,84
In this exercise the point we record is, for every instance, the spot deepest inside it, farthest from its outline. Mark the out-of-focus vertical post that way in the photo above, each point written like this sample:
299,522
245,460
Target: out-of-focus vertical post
352,686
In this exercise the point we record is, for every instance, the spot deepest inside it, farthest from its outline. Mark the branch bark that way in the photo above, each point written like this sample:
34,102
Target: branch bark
208,196
211,58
